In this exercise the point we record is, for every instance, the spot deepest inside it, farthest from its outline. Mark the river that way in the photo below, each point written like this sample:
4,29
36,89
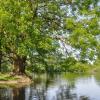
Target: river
64,86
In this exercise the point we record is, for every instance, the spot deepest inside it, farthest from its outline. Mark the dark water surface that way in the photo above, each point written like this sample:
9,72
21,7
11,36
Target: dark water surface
56,87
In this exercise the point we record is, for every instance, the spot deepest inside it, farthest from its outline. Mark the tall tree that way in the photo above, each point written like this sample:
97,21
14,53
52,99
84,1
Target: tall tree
27,28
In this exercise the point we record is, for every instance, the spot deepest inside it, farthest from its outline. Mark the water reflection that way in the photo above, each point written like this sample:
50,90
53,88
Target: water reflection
56,87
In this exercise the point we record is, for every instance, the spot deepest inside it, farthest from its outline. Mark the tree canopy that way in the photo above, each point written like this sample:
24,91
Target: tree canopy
29,30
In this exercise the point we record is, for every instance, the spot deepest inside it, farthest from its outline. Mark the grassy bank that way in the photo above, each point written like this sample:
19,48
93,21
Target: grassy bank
95,68
7,79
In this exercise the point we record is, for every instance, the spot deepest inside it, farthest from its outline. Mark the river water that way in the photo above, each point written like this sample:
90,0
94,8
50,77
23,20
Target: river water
56,87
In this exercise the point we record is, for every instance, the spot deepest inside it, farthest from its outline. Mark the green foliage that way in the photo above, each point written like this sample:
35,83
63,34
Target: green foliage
71,65
79,68
27,27
83,37
65,65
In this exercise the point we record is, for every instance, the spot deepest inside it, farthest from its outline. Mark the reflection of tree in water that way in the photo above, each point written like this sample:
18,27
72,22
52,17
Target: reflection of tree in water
35,91
39,91
39,88
67,94
12,94
97,78
5,94
18,93
64,92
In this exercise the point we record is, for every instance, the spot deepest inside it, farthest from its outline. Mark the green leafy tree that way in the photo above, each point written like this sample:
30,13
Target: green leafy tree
83,27
27,28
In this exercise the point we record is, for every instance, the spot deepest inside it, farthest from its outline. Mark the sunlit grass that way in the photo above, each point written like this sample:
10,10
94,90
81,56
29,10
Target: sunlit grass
7,77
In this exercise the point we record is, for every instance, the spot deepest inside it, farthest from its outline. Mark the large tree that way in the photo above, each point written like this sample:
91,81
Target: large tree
30,27
25,28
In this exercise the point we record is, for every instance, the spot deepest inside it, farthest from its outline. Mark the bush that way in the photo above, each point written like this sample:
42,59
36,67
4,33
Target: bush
65,65
79,68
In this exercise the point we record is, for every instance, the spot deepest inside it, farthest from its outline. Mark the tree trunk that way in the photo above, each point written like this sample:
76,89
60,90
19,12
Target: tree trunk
19,65
0,60
19,93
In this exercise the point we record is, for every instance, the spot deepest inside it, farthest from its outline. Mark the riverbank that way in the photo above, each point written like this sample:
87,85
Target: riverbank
20,80
46,87
93,69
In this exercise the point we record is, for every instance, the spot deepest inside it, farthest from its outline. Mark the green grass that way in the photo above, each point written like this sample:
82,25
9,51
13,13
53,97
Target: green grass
7,77
6,80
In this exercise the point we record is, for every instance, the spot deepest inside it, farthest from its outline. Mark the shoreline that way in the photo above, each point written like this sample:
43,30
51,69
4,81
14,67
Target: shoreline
18,80
22,80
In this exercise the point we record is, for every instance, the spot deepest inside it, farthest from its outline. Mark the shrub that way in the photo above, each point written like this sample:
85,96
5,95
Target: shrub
79,68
